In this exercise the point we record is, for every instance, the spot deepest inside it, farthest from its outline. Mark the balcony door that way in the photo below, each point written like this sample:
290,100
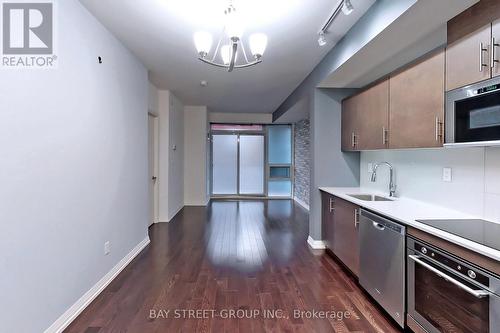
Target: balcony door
238,164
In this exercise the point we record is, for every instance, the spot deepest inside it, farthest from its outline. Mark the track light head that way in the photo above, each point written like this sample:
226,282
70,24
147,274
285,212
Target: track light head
347,7
322,39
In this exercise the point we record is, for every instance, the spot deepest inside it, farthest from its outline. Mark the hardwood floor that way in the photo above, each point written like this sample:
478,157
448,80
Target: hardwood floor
250,256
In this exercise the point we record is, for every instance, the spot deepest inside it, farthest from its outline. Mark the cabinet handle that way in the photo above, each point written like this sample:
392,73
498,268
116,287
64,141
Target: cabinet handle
356,218
493,45
332,205
385,131
353,140
482,49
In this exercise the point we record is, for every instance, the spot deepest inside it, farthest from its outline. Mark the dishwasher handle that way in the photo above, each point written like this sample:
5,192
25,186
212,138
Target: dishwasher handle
378,226
382,223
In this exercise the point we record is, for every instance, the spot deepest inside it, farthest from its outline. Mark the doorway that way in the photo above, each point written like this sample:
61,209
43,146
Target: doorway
238,164
153,167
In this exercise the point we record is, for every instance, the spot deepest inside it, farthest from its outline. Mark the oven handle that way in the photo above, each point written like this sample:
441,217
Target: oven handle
476,293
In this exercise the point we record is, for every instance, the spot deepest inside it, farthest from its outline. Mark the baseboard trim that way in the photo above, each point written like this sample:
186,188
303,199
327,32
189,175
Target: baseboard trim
316,244
301,203
67,317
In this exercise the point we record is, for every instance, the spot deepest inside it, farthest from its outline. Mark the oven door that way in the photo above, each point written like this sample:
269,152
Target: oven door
440,301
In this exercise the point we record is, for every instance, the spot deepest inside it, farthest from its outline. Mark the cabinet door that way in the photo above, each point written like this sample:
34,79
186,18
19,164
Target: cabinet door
495,71
373,117
463,59
327,219
346,244
349,120
417,105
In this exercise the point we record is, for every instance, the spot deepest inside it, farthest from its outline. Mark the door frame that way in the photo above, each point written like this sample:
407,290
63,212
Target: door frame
262,133
153,170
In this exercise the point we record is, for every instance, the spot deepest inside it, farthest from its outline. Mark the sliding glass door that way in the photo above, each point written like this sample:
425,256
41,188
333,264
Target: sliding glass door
251,164
224,164
238,164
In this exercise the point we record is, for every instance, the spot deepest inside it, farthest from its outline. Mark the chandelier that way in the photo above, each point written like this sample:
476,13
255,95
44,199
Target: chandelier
230,45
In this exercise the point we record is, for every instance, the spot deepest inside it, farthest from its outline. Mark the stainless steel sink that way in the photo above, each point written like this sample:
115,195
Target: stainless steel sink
369,197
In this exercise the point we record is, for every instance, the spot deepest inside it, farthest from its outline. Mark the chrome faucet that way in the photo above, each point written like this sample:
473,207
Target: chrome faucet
392,186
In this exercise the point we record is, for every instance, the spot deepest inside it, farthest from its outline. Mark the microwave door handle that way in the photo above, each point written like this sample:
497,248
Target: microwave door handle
475,293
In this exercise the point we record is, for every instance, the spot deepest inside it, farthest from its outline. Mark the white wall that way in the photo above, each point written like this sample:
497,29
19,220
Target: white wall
195,155
170,155
163,154
153,100
240,118
475,187
176,157
74,171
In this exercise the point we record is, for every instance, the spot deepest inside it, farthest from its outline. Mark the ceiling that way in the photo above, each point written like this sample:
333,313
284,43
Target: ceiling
160,34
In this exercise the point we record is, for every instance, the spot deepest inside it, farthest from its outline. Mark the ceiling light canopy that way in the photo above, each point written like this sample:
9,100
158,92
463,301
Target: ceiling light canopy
346,7
230,44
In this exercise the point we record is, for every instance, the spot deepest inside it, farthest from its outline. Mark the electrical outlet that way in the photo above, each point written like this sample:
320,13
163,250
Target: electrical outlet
107,248
370,167
447,175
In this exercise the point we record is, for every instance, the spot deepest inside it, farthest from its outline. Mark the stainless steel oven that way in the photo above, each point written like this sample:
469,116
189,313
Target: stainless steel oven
447,294
473,114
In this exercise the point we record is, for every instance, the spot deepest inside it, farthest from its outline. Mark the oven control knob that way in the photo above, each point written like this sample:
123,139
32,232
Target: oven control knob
459,267
424,250
471,274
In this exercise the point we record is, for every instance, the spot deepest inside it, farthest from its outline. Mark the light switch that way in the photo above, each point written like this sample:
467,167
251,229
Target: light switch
447,174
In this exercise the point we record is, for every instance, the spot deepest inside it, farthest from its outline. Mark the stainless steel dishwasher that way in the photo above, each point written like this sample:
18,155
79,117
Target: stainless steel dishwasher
382,262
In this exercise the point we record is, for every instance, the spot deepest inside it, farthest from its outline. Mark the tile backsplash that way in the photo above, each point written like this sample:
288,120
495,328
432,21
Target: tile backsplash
475,185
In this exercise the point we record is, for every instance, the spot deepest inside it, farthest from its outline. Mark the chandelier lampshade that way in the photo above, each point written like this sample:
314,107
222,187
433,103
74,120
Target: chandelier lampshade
258,44
203,42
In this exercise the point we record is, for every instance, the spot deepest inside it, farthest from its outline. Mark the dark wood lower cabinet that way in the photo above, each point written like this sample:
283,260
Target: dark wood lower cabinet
340,230
327,217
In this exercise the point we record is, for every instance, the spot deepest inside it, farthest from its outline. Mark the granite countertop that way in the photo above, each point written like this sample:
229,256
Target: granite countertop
406,211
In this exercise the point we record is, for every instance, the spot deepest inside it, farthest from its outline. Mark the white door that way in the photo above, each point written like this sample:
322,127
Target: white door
153,168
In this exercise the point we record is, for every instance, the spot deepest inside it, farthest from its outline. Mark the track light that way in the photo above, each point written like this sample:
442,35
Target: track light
322,39
347,7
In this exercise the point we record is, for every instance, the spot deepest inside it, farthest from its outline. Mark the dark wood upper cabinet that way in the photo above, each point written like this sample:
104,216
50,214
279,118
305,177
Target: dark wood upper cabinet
365,119
470,35
417,104
373,117
495,33
349,123
465,64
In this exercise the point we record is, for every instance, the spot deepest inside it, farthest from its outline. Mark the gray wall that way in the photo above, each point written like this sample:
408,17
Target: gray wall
330,166
379,16
74,171
302,180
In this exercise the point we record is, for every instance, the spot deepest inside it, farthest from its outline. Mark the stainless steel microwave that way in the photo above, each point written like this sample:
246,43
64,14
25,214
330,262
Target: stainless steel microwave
473,114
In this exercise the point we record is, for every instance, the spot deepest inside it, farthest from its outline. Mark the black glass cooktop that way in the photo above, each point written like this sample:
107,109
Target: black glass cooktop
480,231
